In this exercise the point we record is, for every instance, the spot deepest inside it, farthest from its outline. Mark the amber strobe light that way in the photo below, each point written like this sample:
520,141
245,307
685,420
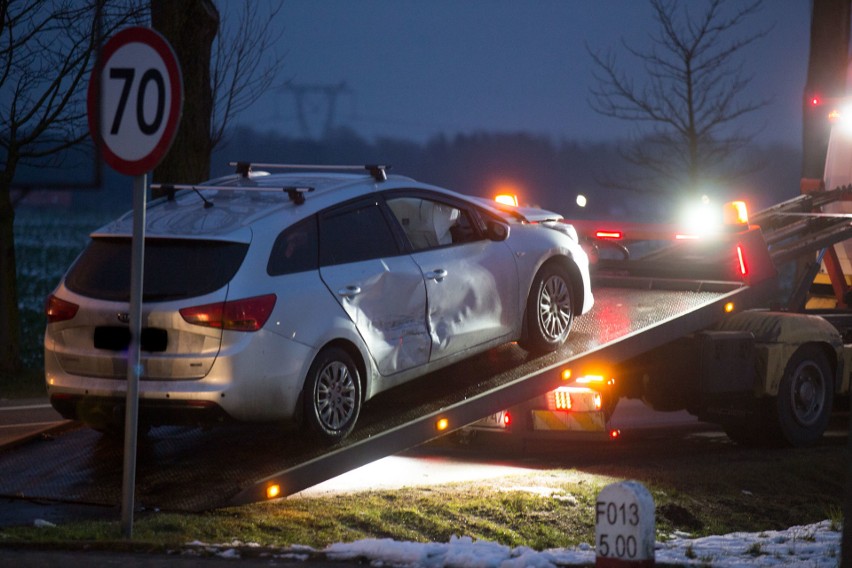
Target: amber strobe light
442,424
273,491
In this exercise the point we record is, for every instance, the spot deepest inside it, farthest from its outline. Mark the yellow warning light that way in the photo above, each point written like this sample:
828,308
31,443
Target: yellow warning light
507,199
562,399
442,424
273,491
566,375
598,401
729,307
589,379
735,213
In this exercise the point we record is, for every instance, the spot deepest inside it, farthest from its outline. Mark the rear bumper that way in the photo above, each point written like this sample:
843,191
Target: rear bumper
103,412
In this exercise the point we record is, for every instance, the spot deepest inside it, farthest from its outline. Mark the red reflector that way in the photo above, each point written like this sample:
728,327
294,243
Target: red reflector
58,310
200,404
609,234
614,434
742,261
507,418
249,314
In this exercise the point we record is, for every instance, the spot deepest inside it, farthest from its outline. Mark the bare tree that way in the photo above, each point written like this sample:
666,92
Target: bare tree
685,94
246,64
47,49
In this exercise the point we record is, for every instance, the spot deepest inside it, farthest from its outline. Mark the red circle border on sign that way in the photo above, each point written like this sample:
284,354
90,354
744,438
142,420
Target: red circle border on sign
159,44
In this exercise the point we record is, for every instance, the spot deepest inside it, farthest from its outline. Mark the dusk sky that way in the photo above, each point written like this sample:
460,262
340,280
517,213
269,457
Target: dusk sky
414,69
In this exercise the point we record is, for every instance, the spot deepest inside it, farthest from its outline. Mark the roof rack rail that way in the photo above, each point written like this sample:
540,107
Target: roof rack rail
295,193
377,171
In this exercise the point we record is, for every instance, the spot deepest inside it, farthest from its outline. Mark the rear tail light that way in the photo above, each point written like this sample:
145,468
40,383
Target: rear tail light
742,261
249,314
58,310
614,235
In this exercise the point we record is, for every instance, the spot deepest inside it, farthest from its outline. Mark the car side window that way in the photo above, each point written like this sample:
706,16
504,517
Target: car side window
430,224
356,233
295,250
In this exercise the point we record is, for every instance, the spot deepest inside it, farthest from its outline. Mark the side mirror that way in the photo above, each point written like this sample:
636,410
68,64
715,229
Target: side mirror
496,231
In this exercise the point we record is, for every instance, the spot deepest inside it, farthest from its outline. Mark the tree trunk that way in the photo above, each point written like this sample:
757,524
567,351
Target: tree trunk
190,26
10,317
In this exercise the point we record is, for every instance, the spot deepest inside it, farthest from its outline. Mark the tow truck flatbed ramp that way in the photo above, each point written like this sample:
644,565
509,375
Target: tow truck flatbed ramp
191,469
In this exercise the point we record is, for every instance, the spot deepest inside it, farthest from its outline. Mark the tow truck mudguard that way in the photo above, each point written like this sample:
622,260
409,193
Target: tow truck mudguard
777,335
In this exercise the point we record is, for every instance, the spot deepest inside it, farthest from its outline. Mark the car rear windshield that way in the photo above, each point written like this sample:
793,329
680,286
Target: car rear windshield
174,268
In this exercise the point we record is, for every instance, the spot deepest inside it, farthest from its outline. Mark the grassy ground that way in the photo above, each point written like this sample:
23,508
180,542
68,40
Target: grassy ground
26,384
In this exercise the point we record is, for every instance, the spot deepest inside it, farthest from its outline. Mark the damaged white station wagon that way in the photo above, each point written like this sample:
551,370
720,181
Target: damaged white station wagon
298,295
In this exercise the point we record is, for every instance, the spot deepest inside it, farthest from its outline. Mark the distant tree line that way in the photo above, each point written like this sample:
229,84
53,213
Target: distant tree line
542,171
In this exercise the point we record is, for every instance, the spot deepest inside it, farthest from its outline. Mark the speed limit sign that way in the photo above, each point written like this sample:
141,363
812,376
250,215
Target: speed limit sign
134,100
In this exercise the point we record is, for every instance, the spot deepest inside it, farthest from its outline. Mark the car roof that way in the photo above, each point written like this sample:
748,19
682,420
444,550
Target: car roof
227,208
233,206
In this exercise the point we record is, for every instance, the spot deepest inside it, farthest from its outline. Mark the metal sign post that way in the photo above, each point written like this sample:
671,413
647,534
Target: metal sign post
134,360
134,104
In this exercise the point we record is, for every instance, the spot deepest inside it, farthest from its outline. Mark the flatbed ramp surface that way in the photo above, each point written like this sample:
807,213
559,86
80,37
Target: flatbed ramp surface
193,469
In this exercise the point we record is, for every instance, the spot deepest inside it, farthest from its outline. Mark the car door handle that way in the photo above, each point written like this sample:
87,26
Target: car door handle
437,275
349,291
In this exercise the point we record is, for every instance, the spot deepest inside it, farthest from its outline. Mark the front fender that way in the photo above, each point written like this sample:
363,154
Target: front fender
777,335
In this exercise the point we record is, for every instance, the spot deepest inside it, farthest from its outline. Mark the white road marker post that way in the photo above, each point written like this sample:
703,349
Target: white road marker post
624,526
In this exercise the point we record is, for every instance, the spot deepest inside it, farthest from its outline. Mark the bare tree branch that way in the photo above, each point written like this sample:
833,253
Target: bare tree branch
47,50
245,65
687,99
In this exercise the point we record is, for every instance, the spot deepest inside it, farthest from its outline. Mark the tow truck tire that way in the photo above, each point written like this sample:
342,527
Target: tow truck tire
332,395
549,311
799,415
805,397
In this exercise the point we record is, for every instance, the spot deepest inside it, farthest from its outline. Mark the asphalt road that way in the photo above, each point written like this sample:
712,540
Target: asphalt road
20,419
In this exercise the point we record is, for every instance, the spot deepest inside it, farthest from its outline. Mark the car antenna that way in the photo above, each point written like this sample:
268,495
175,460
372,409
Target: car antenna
169,189
207,203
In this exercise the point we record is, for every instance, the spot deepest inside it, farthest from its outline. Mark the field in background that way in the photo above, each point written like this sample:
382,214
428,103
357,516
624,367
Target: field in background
46,243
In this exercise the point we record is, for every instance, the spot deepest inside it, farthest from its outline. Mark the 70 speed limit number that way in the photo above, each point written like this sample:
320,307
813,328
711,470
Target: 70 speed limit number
134,100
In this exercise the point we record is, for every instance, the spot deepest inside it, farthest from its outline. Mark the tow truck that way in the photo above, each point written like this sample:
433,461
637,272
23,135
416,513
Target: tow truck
771,375
675,326
643,307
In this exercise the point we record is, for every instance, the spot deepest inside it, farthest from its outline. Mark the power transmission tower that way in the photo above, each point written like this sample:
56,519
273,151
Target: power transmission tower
329,91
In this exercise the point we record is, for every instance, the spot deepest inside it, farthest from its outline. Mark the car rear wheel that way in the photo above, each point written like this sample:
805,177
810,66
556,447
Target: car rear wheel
332,395
550,309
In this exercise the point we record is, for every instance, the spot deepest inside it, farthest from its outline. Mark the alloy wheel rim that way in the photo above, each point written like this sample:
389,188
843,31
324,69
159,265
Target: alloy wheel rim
335,395
554,308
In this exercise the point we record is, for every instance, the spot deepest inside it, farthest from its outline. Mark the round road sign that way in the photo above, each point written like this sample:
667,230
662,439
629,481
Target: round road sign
134,100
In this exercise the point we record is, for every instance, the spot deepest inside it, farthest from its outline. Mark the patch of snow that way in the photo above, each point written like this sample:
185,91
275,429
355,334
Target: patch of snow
816,545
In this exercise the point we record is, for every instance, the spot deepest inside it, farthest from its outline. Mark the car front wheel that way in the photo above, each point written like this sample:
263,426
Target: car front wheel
332,395
550,309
